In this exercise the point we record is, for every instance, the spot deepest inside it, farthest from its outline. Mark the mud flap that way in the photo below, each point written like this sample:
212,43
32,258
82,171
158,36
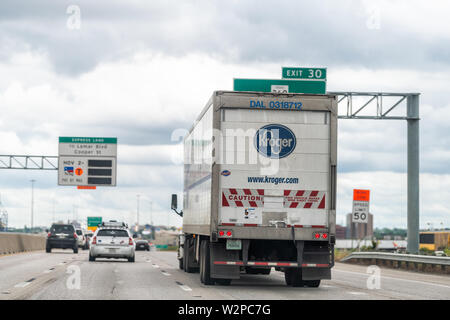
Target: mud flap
316,273
219,253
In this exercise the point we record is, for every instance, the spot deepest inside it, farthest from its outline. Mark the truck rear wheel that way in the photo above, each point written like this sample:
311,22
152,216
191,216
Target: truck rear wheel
205,267
187,256
180,263
223,282
312,283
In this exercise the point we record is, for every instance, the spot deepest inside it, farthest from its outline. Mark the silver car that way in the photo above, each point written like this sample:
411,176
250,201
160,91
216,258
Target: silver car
111,241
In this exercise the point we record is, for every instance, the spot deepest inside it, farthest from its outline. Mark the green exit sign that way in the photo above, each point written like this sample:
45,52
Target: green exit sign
304,73
280,86
94,221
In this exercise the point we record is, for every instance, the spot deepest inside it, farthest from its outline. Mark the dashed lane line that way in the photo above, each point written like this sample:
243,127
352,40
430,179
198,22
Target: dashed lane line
356,293
183,286
22,285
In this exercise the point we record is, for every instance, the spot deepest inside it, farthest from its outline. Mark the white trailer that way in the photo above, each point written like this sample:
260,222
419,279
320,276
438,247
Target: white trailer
260,188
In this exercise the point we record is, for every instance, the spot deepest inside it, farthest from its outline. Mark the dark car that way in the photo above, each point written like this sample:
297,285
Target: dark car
142,245
62,236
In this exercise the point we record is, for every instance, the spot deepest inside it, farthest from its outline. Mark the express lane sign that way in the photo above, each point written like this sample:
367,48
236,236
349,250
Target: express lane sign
87,161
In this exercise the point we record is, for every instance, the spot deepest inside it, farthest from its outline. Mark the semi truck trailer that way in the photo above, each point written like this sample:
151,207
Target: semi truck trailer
260,188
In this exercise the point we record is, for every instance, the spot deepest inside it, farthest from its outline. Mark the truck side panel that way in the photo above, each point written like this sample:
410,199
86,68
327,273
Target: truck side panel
197,176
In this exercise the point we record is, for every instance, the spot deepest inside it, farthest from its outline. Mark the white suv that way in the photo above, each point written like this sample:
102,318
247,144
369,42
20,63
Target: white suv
112,240
81,239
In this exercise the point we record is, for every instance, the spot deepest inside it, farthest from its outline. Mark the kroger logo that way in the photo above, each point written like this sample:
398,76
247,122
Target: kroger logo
225,173
275,141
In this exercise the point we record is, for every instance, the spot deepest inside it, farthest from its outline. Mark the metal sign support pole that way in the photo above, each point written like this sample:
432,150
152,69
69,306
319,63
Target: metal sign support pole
413,174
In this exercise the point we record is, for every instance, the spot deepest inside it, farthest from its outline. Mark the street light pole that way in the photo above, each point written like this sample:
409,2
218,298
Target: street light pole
32,203
151,213
137,210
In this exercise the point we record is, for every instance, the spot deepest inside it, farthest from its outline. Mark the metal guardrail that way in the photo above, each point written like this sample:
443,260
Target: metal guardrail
399,257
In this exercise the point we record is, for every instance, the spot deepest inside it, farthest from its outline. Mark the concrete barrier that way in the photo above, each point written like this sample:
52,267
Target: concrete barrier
20,242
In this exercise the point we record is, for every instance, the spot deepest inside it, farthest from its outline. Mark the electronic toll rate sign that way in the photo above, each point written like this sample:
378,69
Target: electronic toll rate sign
87,161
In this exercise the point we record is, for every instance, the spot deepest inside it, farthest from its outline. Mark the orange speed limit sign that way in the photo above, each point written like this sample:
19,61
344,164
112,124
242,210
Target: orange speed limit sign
361,195
78,171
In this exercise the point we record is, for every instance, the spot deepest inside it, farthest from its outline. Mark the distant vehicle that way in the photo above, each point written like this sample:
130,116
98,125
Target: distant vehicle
81,238
62,236
275,206
434,240
112,240
142,245
88,235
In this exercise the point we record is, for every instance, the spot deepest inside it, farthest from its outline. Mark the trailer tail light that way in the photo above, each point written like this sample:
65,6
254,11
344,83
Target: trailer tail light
130,241
94,240
225,234
49,235
318,235
75,235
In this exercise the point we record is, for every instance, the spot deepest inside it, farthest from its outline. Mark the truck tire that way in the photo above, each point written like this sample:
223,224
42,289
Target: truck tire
312,283
131,259
75,249
293,277
188,257
180,263
186,262
91,258
223,282
288,277
205,267
48,249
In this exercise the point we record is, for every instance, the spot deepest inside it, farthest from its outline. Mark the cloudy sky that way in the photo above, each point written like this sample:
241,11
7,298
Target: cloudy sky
138,70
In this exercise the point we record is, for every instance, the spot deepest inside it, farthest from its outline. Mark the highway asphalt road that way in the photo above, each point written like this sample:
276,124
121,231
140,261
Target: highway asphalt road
155,275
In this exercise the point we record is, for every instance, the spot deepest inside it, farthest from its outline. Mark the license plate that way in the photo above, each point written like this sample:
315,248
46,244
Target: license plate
112,249
234,244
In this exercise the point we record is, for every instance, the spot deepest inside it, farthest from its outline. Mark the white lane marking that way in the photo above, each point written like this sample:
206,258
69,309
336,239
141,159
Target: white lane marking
22,285
357,293
155,266
392,278
116,270
327,286
185,287
165,273
47,271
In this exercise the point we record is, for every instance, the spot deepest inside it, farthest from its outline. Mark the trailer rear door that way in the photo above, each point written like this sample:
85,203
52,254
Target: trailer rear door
275,168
